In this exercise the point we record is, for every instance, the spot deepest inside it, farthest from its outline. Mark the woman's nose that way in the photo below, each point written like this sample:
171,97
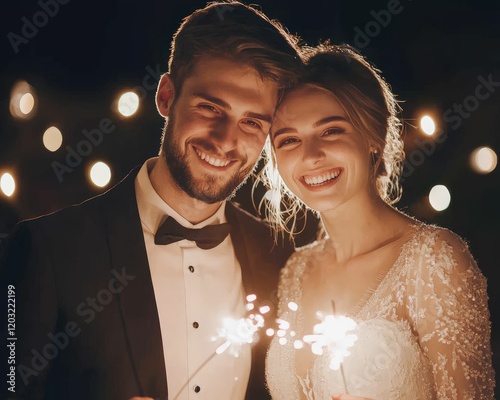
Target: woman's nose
313,151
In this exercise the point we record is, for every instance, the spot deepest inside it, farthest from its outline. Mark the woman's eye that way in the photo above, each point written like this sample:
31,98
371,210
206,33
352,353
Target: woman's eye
287,141
334,131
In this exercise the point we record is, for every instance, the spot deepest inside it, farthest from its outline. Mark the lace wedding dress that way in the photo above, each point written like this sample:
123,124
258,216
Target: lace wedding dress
423,333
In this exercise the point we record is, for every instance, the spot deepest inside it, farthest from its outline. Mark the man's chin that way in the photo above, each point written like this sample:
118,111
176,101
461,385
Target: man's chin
211,196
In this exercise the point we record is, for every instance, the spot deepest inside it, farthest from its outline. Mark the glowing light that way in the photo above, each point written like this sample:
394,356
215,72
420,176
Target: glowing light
128,104
26,103
439,197
7,184
293,306
483,160
427,124
332,334
237,332
264,309
270,332
283,324
250,307
282,341
100,174
298,344
52,139
22,100
251,297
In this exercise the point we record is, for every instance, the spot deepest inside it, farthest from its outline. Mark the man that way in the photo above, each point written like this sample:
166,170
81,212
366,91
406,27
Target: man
125,295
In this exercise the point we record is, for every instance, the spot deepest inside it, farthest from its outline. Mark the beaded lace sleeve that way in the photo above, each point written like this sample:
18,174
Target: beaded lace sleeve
448,308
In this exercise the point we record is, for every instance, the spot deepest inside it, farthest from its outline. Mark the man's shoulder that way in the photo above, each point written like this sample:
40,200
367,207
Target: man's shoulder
91,209
249,222
258,231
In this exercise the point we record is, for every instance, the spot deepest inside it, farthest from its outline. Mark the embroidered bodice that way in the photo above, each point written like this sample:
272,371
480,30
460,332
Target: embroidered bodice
423,332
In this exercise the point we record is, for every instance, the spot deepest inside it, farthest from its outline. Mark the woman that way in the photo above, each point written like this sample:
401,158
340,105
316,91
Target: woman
414,291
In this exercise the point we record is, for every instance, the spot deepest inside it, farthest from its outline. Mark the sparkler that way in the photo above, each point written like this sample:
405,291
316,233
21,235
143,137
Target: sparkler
236,332
332,335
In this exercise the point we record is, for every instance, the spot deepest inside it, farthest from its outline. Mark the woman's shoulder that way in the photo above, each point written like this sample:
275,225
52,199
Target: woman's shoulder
438,250
301,257
432,238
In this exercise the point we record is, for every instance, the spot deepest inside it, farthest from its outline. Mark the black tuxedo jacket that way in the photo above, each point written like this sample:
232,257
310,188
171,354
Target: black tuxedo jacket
86,323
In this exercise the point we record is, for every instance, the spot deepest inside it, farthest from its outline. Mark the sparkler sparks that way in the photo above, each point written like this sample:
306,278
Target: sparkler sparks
333,335
238,332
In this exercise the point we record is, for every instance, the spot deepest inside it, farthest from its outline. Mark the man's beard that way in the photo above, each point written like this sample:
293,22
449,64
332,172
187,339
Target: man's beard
205,188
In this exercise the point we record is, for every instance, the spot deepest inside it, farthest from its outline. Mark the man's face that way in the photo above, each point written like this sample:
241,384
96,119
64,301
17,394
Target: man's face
217,127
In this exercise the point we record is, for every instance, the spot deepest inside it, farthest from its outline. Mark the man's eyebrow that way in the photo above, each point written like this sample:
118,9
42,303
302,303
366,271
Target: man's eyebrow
212,99
326,120
264,117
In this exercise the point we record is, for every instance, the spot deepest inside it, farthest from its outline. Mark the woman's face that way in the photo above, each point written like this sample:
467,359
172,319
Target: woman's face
320,156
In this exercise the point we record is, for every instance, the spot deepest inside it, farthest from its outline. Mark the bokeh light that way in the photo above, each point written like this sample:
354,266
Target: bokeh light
128,104
7,184
52,139
100,174
22,100
483,160
26,103
427,125
439,197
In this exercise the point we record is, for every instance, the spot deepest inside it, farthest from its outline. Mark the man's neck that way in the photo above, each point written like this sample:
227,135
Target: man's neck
193,210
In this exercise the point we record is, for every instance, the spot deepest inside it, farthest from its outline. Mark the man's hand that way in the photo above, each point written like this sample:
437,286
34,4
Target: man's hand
349,397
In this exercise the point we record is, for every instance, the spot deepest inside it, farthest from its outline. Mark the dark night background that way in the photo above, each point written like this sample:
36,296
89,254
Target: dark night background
433,53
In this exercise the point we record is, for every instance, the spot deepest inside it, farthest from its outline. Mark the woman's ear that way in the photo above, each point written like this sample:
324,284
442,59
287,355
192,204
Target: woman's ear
165,95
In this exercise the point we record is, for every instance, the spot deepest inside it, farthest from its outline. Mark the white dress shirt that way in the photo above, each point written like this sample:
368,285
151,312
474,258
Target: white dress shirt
195,290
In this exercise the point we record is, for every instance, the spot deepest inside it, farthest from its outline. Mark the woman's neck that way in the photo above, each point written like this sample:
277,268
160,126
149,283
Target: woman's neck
361,225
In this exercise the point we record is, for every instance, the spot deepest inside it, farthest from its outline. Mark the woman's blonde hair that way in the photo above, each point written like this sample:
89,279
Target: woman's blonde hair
371,108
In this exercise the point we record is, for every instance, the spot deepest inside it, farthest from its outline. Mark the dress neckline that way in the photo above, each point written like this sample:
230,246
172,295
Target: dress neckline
383,276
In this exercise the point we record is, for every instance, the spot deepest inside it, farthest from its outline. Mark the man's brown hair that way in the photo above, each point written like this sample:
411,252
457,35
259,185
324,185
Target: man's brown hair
239,33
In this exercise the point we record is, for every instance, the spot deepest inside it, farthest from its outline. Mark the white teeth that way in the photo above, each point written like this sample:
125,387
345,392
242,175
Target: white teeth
319,179
212,160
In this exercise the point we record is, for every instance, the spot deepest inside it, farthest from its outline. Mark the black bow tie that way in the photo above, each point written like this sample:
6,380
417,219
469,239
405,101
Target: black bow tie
207,237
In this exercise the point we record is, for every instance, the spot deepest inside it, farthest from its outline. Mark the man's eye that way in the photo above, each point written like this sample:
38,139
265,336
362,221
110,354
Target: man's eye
208,107
253,124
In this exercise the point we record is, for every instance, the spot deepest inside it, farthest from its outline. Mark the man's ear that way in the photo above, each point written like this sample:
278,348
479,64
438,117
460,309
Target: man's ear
165,95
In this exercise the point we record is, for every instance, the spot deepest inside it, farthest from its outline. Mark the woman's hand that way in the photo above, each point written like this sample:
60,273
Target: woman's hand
349,397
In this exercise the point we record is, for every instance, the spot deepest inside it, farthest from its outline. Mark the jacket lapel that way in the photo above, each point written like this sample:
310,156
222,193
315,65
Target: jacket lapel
238,236
137,301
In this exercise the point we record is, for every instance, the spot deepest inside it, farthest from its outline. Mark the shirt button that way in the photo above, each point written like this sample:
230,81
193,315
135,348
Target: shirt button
196,325
191,268
197,389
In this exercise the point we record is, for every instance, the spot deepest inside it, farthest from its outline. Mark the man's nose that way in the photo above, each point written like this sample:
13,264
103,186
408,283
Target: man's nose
225,134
